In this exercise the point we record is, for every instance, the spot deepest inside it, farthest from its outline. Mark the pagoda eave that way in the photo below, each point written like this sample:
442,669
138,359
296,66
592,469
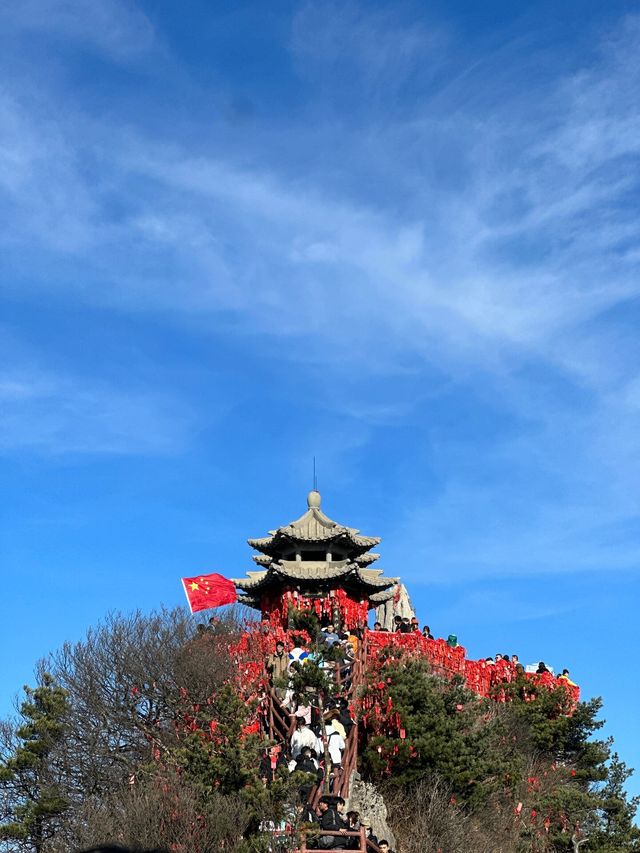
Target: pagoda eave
382,596
344,540
366,559
315,572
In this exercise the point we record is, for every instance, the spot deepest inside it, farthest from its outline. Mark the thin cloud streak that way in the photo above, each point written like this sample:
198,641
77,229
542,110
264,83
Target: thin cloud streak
52,414
114,27
381,267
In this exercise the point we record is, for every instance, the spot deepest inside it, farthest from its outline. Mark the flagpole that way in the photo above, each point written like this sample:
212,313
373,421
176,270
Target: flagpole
187,595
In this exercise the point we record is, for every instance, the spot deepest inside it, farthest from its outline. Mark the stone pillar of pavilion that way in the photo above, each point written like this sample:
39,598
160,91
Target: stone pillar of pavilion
315,563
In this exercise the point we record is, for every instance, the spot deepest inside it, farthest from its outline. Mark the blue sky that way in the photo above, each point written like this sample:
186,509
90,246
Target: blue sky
400,237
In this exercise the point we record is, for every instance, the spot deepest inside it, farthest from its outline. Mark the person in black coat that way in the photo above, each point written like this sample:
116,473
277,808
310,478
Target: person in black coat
304,763
330,820
345,717
353,825
370,836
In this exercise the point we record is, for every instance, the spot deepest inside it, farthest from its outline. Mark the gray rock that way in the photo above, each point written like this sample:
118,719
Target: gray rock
367,800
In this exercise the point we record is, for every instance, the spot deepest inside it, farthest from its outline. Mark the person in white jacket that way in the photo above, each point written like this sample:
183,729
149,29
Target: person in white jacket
335,744
304,736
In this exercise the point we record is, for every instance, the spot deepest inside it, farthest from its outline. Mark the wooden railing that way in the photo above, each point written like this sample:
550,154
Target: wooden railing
350,756
308,839
342,777
281,724
365,844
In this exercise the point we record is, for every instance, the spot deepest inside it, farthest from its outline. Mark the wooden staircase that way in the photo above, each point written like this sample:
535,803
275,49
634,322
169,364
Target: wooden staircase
280,726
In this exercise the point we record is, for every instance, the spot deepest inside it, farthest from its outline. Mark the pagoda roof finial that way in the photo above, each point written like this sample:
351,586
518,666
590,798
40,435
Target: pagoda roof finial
314,499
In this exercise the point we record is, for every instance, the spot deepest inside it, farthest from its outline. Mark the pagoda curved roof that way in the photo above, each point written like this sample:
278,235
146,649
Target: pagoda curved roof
313,527
314,531
367,559
311,570
383,595
375,598
252,581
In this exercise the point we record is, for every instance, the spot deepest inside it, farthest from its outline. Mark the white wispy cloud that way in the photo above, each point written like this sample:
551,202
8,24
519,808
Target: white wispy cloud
117,27
445,277
44,195
55,414
349,41
502,607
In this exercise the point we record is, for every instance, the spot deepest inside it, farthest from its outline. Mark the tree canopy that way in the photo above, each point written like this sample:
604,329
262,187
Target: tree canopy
142,734
525,765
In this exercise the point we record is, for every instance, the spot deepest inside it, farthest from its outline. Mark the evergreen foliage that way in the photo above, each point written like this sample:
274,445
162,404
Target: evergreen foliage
310,679
303,621
528,759
29,777
447,731
216,756
138,733
610,826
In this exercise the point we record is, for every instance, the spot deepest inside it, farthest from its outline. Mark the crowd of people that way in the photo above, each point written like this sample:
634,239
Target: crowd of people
331,827
411,625
405,625
306,752
332,818
539,668
320,732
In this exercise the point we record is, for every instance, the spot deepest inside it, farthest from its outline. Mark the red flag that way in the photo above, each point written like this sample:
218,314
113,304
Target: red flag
204,591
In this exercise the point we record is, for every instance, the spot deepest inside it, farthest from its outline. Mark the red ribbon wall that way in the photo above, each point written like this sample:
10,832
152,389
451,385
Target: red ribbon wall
480,677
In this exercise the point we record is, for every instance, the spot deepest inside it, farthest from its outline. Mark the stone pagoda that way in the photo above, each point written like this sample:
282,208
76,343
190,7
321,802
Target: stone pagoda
316,564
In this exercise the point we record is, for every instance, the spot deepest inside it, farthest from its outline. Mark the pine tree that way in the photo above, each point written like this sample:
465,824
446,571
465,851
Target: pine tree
531,764
29,777
217,755
614,828
445,730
